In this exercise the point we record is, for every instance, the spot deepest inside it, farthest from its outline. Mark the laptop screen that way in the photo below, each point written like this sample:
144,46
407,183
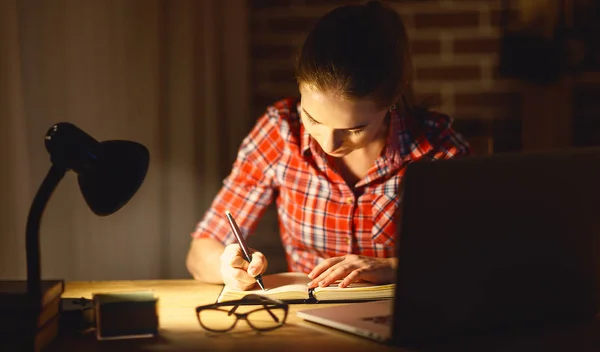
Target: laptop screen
498,241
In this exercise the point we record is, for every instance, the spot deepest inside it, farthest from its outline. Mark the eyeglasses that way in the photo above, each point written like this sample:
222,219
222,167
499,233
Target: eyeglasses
222,317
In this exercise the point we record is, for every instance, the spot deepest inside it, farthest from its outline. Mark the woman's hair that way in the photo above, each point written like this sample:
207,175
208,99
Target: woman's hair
357,52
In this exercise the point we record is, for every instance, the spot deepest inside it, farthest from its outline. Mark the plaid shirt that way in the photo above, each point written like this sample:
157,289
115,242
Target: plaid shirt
320,216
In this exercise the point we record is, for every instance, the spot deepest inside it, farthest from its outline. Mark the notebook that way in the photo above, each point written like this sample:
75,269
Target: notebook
291,288
488,244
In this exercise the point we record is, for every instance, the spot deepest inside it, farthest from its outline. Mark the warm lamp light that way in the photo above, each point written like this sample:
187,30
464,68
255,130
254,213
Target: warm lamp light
109,174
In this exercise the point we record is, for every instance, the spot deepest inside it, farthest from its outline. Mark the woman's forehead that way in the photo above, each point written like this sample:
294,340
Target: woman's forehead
338,113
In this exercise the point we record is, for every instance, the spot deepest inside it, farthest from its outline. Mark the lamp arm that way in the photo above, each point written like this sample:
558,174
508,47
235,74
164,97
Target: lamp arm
32,239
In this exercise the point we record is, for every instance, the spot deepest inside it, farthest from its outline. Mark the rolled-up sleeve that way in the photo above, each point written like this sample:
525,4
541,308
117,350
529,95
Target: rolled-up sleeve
249,188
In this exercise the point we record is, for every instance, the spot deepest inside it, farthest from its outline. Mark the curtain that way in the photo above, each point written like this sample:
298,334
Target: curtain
171,75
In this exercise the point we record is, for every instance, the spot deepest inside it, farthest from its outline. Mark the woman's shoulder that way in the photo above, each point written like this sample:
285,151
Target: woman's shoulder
438,129
432,120
284,114
283,109
429,123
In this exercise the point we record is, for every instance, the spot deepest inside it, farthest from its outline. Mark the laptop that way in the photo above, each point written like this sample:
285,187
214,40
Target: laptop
488,243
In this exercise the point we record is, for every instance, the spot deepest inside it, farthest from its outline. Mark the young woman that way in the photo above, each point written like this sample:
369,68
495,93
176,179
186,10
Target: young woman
333,160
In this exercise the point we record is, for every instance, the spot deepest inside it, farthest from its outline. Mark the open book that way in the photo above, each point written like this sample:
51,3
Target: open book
291,288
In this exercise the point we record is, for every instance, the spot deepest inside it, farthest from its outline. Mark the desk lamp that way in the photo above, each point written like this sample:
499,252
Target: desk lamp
109,173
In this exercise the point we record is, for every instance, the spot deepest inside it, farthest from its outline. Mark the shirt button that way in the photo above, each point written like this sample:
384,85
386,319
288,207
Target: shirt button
349,200
348,240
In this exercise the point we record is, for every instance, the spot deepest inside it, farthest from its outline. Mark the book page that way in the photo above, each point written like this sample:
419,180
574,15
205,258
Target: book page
356,291
284,286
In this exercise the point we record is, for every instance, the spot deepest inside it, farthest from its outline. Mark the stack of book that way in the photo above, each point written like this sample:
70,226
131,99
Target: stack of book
27,324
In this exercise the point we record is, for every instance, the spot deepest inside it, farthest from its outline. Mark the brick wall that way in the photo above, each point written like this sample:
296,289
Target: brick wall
455,52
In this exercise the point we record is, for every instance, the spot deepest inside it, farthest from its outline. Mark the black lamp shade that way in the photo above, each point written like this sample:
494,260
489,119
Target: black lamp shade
109,172
118,175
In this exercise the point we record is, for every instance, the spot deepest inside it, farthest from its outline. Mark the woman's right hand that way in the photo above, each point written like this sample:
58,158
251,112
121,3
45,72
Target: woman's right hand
236,271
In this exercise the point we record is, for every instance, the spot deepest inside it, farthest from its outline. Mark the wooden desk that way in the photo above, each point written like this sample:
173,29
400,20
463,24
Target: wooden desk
180,331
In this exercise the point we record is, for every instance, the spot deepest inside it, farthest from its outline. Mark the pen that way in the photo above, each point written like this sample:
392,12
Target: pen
243,245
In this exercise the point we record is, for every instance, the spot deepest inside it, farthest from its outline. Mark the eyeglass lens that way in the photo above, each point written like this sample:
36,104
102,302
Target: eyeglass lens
216,319
220,319
266,319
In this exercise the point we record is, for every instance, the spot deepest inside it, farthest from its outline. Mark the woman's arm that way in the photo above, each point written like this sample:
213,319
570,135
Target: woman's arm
203,260
246,193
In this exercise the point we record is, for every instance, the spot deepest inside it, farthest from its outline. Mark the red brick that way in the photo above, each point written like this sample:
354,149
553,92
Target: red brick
509,100
476,46
431,47
472,125
448,73
447,20
496,72
430,100
496,17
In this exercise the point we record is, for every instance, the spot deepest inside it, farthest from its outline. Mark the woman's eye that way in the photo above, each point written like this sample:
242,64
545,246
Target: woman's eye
310,120
356,132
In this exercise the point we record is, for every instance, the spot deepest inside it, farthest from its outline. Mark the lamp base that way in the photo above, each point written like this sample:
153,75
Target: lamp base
27,323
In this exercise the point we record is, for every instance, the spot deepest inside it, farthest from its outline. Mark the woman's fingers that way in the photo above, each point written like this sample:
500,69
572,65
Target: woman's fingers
336,272
355,275
237,272
258,265
324,265
337,266
352,268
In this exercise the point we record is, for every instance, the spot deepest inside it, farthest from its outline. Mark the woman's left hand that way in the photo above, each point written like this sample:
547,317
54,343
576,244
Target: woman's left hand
352,268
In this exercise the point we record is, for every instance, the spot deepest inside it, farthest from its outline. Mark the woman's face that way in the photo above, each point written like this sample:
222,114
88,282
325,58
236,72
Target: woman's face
340,126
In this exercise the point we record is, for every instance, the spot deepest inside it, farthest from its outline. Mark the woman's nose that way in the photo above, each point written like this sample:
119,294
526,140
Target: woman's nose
333,141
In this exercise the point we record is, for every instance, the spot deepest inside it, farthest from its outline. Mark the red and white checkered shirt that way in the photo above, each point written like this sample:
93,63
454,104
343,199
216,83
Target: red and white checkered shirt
320,216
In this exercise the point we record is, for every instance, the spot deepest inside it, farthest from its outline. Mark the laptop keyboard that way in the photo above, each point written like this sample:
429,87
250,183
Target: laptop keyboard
380,319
